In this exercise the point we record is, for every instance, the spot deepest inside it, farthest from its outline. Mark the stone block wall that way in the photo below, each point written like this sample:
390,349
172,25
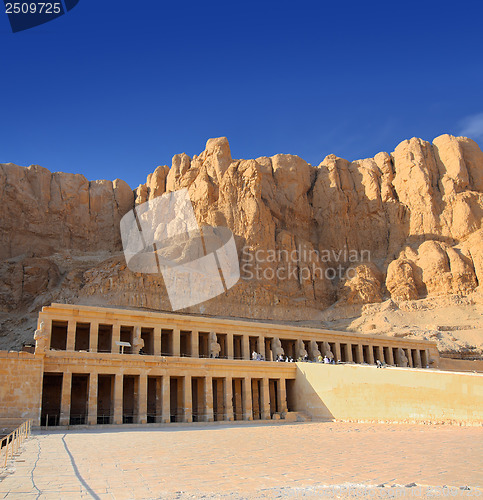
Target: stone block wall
20,388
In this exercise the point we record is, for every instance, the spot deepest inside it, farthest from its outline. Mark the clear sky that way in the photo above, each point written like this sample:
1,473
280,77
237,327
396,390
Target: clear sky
114,88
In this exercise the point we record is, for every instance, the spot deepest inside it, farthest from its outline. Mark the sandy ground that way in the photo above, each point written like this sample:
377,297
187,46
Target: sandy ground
306,460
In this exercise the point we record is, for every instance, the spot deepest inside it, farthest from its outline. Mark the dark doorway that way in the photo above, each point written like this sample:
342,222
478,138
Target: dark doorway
51,399
203,348
58,338
104,338
166,342
130,385
127,336
78,399
237,347
82,335
176,397
291,400
237,392
147,334
154,405
185,343
105,396
273,390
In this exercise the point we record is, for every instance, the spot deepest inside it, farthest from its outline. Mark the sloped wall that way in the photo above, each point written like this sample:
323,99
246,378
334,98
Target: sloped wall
366,393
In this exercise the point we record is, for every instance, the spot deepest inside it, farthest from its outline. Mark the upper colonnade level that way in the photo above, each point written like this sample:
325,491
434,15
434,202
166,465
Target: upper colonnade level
105,330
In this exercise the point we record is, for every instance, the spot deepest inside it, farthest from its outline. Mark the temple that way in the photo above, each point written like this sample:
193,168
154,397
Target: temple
96,365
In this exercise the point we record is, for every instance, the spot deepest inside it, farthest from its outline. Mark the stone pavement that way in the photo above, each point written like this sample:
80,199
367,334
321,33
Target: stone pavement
247,461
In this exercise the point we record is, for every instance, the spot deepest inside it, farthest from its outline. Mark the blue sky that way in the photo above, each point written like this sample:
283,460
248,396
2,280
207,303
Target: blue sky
115,88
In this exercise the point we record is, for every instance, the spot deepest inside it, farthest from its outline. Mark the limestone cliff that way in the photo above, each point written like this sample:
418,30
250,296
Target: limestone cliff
403,227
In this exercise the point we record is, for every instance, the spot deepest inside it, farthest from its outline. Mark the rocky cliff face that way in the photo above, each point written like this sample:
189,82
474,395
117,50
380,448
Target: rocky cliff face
403,227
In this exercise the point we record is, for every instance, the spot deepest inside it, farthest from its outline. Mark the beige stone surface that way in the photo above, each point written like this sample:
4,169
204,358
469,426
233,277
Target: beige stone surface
248,461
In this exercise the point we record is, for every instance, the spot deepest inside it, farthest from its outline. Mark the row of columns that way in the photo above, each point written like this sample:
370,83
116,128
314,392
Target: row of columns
385,355
141,400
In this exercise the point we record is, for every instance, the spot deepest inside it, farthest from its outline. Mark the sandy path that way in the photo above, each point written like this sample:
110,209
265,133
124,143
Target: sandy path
246,461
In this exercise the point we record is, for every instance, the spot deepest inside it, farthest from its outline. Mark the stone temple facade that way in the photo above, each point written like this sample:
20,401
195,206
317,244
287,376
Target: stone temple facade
96,365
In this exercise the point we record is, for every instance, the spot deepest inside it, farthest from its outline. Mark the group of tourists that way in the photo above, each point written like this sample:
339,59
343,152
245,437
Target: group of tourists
289,359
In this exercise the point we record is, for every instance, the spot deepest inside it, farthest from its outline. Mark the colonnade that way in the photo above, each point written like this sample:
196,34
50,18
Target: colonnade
116,398
175,340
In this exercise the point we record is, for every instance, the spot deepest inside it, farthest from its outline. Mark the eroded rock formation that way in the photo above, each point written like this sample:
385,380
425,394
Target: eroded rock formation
405,226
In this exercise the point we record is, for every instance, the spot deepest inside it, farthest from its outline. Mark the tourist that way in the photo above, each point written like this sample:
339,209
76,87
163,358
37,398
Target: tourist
254,355
320,359
326,360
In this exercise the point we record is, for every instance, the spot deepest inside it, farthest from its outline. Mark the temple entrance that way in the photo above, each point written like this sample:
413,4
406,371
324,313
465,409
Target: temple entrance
256,399
203,348
82,334
51,399
127,336
222,340
154,403
166,342
104,339
273,391
147,334
344,357
185,343
78,399
176,411
198,399
291,400
58,338
355,353
218,399
237,347
130,390
238,407
105,396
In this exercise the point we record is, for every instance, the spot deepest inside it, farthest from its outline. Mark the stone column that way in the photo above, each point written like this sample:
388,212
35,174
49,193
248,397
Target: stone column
166,400
157,341
282,395
92,400
349,352
229,345
371,355
93,336
408,354
261,346
116,337
360,353
337,352
187,399
265,400
65,398
118,393
195,344
390,360
176,341
246,354
418,359
70,345
209,399
143,399
229,399
247,399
